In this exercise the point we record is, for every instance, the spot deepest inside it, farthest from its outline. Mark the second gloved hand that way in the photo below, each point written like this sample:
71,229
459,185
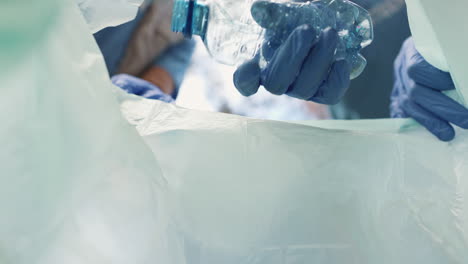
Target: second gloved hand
300,61
417,93
140,87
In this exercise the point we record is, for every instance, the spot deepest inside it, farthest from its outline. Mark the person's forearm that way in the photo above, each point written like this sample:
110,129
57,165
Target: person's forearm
151,39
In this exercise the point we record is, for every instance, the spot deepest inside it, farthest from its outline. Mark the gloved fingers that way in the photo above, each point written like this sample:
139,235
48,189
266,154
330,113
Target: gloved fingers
336,85
129,83
157,94
140,87
247,78
424,73
440,105
316,66
268,49
427,75
440,128
287,61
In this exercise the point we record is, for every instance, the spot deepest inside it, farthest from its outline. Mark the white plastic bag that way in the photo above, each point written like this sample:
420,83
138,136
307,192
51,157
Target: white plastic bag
252,191
77,183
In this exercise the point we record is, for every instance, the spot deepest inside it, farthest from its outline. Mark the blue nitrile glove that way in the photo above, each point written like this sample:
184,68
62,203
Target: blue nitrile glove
303,66
417,93
140,87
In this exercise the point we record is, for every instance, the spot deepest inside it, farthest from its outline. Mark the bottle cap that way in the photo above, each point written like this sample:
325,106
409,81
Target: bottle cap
190,18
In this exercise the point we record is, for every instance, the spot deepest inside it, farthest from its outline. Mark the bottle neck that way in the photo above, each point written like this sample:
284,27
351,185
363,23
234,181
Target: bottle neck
190,17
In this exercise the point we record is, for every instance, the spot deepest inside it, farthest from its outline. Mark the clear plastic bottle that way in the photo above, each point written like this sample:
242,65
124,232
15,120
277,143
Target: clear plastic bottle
232,36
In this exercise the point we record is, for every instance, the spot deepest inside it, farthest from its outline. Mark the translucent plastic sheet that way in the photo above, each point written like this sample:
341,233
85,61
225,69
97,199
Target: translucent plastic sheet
78,184
251,191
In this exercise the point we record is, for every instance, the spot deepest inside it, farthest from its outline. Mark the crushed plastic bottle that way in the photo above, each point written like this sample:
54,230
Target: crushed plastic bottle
232,35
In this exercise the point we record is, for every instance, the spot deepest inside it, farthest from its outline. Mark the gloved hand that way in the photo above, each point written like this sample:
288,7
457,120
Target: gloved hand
140,87
417,93
299,63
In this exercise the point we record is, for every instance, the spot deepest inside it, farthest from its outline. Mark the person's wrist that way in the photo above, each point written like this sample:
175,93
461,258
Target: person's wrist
159,77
